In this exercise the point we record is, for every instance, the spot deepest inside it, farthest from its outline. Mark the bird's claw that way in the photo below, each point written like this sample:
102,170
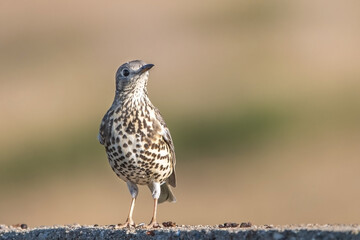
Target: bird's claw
127,224
153,225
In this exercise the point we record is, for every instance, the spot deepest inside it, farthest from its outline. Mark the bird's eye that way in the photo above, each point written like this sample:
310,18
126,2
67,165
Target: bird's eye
125,72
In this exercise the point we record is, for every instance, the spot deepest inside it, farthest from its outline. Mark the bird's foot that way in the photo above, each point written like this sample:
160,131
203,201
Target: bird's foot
153,224
127,224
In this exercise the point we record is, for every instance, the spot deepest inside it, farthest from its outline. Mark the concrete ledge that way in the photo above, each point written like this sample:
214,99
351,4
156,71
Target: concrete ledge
184,232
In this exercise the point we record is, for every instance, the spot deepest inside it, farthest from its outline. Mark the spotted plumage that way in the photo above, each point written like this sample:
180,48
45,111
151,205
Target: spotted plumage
137,141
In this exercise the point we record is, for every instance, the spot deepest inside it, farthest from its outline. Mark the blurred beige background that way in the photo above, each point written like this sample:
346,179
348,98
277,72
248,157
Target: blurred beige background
262,99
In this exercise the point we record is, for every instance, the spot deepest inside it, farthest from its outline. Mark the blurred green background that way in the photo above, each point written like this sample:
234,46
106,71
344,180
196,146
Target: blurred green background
262,99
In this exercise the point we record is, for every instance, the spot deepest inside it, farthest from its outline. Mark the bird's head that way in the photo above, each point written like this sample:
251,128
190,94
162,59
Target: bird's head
132,75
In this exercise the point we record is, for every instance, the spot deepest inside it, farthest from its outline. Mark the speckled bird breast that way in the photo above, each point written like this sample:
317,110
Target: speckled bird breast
136,150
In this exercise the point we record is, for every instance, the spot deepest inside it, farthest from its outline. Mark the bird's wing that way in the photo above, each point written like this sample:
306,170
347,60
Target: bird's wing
105,127
167,138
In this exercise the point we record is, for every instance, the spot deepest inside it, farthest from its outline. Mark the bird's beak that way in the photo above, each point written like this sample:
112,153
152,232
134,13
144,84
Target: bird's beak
145,68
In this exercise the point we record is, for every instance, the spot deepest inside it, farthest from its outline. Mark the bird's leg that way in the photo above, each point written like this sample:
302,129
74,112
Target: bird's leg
134,192
129,221
153,223
155,191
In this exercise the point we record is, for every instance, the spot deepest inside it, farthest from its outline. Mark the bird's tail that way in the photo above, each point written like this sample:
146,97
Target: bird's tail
166,194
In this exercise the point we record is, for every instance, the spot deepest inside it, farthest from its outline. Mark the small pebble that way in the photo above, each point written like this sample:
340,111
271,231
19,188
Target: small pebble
151,233
245,224
169,224
22,226
229,225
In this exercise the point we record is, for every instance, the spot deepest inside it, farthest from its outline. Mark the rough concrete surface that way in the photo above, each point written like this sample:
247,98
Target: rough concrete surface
223,231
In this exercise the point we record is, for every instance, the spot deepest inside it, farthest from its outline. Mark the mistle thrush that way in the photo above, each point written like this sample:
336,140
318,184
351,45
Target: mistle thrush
138,143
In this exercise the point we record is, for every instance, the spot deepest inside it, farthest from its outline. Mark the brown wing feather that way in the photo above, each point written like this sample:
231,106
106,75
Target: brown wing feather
167,138
105,127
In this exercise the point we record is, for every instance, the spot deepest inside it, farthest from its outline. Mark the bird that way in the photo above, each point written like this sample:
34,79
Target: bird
137,141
